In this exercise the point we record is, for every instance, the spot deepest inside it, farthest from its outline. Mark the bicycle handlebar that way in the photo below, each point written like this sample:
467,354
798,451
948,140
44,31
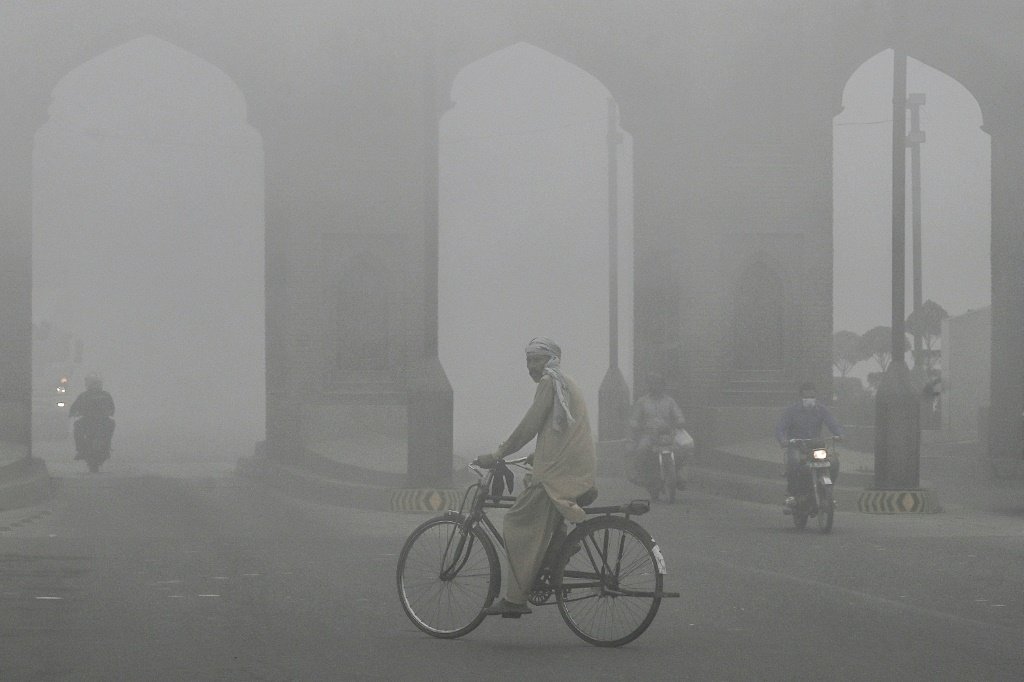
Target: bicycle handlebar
519,461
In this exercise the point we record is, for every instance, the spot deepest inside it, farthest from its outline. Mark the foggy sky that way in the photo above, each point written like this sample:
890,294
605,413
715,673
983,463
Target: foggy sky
955,197
157,231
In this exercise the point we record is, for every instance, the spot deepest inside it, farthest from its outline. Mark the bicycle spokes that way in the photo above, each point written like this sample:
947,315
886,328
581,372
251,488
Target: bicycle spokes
446,577
454,559
611,589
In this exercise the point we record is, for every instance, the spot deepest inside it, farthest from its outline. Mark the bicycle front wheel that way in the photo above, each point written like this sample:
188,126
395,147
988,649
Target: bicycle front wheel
447,577
609,581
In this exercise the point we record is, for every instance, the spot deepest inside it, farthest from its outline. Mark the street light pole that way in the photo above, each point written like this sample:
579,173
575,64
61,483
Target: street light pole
897,406
914,140
613,396
899,203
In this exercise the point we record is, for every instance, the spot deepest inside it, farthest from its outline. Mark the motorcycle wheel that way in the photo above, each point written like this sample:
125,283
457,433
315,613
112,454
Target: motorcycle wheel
826,506
668,476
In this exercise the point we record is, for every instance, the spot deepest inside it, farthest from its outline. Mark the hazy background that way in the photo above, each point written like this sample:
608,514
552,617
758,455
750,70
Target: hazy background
955,197
524,235
148,245
148,232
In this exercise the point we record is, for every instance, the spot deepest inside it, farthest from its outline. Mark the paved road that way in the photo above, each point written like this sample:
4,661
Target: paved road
133,575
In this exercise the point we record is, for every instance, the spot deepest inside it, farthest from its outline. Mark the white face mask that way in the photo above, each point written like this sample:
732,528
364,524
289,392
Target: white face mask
809,402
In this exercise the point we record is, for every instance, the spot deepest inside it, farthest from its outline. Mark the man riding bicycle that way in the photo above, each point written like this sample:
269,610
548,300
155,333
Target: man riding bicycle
563,471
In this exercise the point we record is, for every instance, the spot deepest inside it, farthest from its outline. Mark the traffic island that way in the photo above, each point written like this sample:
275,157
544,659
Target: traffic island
917,501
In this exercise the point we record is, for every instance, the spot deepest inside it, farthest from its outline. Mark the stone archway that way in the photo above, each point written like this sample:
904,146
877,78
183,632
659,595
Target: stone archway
956,196
956,210
148,243
524,227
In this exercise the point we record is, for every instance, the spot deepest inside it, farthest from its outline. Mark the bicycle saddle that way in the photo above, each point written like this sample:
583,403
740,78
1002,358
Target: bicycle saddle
587,497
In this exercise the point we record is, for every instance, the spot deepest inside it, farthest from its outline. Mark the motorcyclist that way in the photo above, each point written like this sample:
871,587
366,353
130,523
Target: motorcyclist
655,419
803,420
94,407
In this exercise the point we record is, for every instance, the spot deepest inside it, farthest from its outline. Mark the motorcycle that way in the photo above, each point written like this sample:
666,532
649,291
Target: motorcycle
818,465
660,467
95,441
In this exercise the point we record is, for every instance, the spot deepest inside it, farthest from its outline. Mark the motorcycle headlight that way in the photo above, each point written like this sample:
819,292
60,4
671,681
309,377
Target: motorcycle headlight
820,454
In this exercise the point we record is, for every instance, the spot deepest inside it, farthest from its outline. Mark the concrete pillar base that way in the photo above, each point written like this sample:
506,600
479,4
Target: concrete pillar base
613,406
916,501
430,426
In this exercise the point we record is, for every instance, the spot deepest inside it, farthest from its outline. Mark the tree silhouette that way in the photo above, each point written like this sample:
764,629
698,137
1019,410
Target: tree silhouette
927,322
846,351
877,343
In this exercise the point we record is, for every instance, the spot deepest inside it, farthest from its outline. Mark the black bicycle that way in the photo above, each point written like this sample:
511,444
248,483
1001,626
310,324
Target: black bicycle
606,574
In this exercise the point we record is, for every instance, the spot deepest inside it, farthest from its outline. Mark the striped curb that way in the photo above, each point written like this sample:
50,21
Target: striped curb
899,502
424,499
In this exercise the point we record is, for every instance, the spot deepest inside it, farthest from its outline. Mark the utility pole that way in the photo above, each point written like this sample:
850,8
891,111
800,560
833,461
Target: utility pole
613,396
899,203
915,139
897,405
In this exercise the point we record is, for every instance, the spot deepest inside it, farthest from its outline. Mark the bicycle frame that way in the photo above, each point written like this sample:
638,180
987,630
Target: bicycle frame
477,516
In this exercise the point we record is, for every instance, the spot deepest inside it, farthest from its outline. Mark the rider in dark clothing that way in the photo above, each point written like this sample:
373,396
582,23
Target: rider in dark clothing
95,407
803,420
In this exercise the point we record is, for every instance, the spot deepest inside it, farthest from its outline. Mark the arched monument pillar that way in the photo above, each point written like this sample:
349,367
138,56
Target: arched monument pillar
284,383
16,284
430,399
1006,413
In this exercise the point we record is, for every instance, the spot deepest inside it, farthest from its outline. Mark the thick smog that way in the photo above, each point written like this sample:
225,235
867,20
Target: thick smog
395,339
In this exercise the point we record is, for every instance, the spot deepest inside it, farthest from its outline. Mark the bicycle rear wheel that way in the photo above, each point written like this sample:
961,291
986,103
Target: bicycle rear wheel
447,577
608,583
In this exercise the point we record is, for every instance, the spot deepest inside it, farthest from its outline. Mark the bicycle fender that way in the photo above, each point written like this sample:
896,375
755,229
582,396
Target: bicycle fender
659,559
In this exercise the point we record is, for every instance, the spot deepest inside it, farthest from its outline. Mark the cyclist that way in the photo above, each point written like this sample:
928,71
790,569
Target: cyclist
563,470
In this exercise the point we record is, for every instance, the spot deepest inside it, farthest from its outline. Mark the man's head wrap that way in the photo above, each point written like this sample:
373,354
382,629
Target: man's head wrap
546,347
